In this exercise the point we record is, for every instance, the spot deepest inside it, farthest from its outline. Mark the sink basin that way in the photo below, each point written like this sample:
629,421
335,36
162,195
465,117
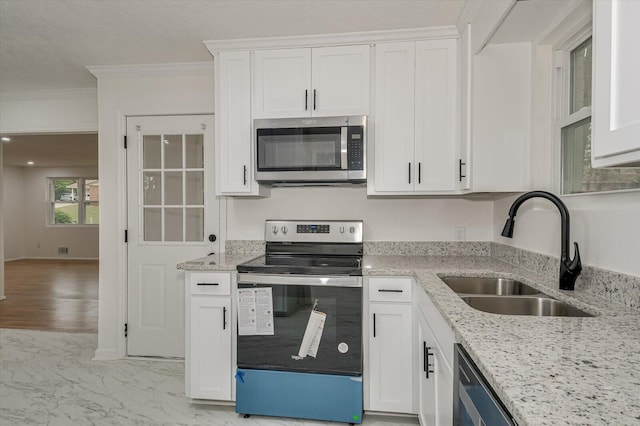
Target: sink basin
488,285
524,305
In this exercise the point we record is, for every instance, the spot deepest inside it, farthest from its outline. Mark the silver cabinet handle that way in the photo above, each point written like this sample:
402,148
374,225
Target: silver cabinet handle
409,172
244,174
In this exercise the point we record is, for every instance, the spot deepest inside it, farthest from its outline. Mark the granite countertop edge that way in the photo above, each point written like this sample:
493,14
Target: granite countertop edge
546,370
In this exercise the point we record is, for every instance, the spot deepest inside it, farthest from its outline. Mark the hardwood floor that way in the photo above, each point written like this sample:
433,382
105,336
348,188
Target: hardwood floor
55,295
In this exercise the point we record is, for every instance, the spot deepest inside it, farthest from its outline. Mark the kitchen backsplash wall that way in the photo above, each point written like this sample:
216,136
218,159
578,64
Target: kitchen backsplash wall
614,286
428,248
611,285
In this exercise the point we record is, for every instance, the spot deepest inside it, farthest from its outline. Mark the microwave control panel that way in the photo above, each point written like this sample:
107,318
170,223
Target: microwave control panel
355,148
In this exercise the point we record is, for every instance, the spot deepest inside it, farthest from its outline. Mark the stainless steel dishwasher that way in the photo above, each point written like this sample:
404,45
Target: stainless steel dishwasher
474,402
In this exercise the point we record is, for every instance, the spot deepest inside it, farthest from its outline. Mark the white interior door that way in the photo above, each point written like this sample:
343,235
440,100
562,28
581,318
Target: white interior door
171,214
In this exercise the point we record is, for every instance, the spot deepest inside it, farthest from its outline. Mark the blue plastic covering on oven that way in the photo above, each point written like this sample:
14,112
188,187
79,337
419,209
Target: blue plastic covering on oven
299,395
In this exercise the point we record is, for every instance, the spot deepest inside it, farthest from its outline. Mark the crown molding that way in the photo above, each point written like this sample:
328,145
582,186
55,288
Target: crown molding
51,94
319,40
151,70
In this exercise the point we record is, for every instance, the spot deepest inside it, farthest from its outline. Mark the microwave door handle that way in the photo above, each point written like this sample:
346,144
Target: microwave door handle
343,148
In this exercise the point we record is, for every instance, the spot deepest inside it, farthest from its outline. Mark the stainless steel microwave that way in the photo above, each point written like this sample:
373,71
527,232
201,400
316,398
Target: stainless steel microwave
311,151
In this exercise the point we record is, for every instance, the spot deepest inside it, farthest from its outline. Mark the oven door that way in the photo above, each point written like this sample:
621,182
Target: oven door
294,297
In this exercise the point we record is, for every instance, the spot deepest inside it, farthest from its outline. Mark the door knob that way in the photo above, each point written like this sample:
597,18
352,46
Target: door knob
212,237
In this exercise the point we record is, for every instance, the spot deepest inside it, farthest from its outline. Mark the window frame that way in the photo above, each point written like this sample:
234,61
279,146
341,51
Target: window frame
561,95
81,201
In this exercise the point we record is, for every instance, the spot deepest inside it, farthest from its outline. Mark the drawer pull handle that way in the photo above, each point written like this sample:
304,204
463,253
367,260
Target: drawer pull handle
393,290
208,284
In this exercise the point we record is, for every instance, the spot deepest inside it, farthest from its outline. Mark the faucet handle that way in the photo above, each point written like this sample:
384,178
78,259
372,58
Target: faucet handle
576,265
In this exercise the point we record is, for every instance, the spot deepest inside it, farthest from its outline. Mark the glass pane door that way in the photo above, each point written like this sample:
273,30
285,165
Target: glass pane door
172,187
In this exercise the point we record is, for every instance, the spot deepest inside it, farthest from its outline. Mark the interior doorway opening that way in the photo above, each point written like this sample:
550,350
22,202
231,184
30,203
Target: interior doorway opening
50,214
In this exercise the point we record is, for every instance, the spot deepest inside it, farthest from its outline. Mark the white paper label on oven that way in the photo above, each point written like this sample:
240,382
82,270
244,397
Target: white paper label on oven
343,348
312,335
255,311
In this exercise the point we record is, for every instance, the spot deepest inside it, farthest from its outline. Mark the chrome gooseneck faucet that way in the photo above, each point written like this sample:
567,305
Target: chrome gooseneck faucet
569,269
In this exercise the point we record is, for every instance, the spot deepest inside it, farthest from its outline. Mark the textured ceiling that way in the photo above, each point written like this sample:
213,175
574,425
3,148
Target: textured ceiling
46,44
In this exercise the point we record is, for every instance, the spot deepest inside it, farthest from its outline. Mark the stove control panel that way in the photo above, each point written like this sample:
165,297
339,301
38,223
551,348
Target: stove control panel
326,231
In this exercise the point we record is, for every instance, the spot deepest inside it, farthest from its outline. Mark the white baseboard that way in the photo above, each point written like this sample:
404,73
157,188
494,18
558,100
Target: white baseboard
14,258
106,355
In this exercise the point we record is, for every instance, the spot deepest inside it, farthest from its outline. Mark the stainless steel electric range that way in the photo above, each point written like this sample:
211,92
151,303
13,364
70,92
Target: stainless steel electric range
300,323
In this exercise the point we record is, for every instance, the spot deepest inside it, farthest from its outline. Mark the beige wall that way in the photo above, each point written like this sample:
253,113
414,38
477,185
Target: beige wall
27,232
13,202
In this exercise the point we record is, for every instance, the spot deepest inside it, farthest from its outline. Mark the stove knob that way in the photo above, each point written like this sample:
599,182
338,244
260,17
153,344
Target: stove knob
274,229
342,229
352,229
284,229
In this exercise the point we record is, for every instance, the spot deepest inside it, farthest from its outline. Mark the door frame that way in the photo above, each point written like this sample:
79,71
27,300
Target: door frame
111,322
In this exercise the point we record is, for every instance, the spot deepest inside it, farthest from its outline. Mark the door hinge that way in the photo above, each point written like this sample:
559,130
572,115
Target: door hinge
126,329
125,141
126,236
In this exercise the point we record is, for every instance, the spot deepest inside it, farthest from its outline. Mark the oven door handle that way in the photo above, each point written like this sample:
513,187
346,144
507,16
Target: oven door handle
312,280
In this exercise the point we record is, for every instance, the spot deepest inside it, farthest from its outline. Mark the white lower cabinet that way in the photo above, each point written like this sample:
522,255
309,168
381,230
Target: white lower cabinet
208,360
435,386
389,377
435,341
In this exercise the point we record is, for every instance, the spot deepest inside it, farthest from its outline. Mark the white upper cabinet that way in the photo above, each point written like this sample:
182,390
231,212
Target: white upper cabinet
416,146
394,117
616,84
233,138
436,106
319,82
282,83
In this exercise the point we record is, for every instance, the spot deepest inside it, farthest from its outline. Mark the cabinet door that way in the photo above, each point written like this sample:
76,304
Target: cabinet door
394,113
426,385
209,356
436,107
340,81
282,83
616,115
390,358
233,123
435,385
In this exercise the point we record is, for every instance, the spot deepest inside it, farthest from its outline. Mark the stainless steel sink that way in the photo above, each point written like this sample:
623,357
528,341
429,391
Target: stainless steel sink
524,305
488,285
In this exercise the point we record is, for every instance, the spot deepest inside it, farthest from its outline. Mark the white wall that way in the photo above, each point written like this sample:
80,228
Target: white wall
606,227
392,219
122,91
50,111
14,213
82,241
2,296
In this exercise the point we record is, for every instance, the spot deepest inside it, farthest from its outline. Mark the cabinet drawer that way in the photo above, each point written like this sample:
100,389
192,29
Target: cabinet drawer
218,283
389,289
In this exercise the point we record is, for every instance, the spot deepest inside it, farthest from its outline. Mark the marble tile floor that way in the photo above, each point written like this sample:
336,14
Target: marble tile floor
49,378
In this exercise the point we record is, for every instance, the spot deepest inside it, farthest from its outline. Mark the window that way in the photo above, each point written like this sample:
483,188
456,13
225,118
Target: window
74,201
574,127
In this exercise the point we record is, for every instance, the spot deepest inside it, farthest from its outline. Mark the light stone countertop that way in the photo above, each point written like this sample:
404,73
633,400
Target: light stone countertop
217,262
546,370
